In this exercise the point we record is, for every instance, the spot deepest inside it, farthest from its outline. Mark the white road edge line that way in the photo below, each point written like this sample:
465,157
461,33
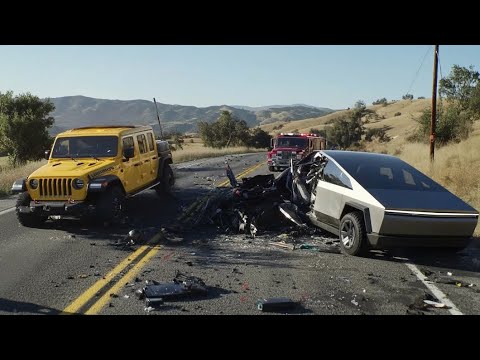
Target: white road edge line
435,291
7,210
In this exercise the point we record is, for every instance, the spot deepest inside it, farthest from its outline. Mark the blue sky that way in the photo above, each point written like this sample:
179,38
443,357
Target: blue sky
326,76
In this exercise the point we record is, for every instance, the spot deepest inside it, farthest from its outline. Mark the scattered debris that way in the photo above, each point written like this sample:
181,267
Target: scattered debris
181,287
153,302
126,296
436,304
283,245
426,271
420,304
139,294
354,302
280,304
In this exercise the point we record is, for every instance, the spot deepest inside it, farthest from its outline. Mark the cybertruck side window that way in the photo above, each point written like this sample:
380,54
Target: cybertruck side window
334,175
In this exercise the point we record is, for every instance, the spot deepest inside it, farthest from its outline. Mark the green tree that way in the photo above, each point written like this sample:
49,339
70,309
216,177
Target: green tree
379,133
452,124
346,132
319,132
407,97
24,124
258,138
462,88
224,132
382,101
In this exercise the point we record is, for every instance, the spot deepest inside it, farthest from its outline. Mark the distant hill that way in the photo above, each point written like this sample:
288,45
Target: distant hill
399,125
77,111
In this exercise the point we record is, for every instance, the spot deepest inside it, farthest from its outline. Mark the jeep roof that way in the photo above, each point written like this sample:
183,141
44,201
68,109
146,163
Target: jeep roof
105,130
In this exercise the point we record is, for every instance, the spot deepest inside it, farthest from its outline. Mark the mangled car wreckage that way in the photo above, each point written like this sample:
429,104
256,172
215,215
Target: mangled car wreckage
368,200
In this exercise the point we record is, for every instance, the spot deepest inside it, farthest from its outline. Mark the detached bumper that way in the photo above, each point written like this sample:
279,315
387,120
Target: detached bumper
384,241
57,208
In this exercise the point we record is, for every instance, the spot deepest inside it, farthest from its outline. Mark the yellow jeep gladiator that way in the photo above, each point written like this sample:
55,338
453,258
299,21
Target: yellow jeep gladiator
91,171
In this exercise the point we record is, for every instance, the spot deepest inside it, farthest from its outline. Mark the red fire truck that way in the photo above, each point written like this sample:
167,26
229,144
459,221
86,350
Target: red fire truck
288,146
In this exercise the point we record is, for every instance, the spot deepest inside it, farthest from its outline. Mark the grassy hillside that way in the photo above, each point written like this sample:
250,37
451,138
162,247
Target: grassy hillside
400,124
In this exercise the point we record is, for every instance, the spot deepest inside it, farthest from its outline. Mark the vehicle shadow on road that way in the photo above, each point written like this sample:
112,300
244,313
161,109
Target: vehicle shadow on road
25,308
467,259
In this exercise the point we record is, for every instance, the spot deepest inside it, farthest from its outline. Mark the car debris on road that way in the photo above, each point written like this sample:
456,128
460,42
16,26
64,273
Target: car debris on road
155,293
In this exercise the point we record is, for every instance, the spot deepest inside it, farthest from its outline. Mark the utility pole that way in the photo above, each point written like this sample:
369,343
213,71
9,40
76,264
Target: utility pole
158,118
434,106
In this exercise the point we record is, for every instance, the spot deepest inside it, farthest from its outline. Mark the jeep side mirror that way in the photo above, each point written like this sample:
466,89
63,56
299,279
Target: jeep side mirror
47,154
128,153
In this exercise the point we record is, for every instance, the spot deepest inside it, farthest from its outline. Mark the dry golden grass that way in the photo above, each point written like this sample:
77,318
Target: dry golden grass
8,174
399,124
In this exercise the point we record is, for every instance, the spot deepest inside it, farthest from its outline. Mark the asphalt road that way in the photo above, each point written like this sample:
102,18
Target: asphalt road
67,268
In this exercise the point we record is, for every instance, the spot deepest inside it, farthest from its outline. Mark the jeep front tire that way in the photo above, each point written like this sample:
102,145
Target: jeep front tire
111,205
28,219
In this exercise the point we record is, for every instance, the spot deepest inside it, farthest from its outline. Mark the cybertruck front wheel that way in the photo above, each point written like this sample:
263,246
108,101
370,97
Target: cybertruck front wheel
353,239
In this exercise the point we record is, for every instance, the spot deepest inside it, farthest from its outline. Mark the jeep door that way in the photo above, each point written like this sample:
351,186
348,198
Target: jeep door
152,155
145,161
131,167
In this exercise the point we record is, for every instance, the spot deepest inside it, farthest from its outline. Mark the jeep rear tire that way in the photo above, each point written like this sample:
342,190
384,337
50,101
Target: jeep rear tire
28,219
111,205
353,235
167,181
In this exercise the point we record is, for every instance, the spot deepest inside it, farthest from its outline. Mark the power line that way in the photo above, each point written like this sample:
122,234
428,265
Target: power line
416,75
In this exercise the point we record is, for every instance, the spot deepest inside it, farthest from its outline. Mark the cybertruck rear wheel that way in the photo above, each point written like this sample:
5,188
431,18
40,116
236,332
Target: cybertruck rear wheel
28,219
353,239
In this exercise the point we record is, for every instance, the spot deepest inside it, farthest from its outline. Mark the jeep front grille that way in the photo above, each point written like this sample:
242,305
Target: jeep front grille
55,187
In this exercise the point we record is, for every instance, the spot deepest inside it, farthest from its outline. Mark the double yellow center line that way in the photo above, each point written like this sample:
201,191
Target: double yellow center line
87,303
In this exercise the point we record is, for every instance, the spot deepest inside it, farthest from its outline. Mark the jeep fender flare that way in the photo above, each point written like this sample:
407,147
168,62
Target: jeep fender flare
101,184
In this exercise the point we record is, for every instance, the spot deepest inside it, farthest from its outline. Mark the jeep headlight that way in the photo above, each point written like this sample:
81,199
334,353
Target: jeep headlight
33,183
78,183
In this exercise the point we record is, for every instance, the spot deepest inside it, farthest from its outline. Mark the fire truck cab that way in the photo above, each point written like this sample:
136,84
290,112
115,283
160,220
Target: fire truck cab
287,146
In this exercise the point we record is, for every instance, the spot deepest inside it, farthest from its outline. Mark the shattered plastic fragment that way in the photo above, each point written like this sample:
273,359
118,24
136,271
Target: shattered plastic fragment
275,304
435,304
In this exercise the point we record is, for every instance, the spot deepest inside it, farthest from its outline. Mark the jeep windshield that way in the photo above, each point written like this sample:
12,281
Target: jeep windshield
292,142
85,146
